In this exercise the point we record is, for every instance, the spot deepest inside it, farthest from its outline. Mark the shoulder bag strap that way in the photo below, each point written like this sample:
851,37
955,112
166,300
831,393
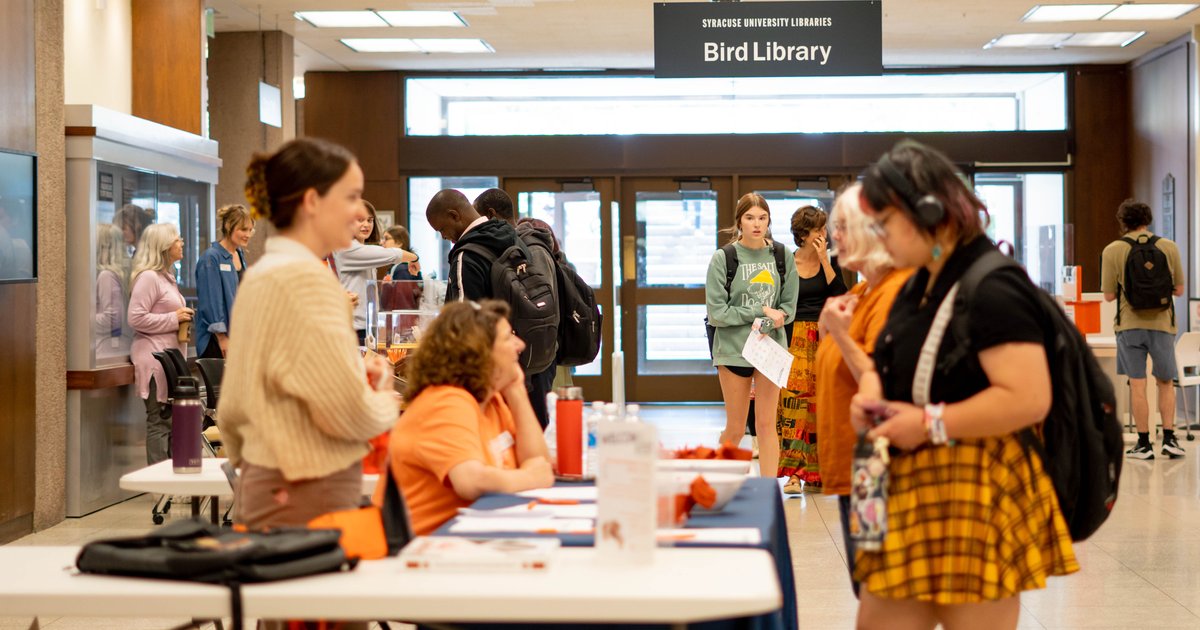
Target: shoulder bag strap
923,378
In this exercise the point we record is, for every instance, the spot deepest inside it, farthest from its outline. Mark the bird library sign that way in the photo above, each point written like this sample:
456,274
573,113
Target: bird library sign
768,39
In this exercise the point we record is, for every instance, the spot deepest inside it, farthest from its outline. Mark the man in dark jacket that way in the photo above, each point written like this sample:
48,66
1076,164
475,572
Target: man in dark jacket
453,216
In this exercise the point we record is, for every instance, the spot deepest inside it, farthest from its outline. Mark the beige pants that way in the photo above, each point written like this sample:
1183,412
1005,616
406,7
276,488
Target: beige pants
264,498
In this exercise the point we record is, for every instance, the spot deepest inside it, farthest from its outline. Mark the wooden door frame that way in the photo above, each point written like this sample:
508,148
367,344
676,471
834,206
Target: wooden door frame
661,388
594,387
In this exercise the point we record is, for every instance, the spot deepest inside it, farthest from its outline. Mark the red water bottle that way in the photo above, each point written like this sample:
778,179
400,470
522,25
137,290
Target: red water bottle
568,428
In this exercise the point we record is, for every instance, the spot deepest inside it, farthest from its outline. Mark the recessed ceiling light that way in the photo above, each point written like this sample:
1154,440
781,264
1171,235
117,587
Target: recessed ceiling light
1150,11
453,45
341,19
1028,40
1121,39
382,45
1067,12
423,18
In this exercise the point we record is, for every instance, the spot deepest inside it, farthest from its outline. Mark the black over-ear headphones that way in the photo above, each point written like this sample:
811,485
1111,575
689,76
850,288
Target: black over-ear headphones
927,209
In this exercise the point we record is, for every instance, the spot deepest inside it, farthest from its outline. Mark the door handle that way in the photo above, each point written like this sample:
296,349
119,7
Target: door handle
629,258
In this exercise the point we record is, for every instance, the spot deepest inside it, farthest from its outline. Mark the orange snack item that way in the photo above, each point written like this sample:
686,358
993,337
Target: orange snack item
725,451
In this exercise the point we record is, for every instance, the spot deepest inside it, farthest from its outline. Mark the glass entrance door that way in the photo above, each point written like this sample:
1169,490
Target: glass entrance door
668,235
580,212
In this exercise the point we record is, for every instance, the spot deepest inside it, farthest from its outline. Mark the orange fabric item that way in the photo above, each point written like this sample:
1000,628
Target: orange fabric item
373,462
836,384
442,428
362,531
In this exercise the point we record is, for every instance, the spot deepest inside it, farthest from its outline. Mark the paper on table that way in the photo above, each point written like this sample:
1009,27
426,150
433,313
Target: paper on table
722,535
534,510
768,357
562,493
476,525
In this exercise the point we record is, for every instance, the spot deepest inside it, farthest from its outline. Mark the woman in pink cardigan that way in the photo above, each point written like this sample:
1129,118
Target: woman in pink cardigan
156,308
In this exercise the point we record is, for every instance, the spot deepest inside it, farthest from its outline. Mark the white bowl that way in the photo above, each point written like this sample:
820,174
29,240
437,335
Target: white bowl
725,484
732,466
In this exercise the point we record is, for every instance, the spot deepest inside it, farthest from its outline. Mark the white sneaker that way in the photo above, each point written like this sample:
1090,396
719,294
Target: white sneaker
1141,451
1172,449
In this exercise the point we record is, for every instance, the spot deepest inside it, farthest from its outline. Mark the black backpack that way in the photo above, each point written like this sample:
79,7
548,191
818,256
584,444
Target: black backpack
1081,443
195,551
1148,283
523,275
731,265
580,321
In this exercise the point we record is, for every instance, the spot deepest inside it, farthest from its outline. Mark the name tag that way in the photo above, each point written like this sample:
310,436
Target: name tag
499,445
226,267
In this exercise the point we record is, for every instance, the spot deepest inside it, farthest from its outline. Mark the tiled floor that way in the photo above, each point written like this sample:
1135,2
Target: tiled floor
1141,570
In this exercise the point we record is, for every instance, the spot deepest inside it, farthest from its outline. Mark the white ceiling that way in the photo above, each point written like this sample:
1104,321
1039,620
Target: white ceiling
619,34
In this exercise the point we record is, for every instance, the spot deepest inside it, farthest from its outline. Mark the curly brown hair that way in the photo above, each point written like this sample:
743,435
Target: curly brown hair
457,349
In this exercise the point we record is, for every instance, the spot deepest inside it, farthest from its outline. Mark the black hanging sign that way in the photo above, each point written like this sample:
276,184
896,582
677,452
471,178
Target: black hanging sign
768,39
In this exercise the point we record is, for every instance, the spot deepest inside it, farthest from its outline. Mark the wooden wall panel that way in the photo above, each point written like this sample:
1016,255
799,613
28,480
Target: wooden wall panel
167,58
360,110
1100,180
17,405
17,130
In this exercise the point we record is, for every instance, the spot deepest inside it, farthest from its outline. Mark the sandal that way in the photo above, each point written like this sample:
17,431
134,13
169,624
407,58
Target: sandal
793,486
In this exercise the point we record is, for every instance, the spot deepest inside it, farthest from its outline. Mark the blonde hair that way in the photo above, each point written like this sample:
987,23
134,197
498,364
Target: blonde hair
233,216
860,247
112,254
152,249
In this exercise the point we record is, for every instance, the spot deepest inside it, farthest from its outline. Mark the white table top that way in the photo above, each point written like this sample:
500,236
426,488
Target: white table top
1102,341
209,482
683,585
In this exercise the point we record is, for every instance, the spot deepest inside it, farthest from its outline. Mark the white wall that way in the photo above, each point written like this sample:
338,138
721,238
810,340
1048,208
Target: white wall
98,37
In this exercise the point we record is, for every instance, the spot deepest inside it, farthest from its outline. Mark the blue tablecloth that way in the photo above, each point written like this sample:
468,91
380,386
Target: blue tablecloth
758,504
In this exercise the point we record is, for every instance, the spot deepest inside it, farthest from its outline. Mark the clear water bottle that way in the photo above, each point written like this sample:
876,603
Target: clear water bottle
591,422
186,423
631,413
550,431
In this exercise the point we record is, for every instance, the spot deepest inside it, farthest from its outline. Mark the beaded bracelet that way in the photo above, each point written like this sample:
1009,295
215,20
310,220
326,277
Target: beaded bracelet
935,427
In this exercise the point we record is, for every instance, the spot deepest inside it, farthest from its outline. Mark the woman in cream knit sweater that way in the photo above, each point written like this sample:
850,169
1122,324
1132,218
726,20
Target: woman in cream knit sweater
298,403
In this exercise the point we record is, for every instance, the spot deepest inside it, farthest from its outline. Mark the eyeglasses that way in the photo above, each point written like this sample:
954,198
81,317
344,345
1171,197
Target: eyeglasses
879,226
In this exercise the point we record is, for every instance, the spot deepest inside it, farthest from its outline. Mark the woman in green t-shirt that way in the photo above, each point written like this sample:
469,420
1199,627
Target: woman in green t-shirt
756,292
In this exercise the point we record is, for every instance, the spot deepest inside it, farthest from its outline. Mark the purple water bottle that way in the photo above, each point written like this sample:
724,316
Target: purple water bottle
186,419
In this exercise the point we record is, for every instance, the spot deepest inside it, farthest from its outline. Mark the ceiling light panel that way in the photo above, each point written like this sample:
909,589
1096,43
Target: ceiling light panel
342,19
1067,12
423,18
453,45
381,45
1150,11
1114,39
1028,40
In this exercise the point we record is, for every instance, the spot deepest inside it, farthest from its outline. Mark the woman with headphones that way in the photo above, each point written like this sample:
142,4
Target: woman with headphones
972,518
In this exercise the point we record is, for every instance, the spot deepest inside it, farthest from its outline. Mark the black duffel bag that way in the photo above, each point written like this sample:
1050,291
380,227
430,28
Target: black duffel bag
195,551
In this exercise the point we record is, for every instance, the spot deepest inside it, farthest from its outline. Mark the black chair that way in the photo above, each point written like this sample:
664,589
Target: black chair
211,373
170,371
181,366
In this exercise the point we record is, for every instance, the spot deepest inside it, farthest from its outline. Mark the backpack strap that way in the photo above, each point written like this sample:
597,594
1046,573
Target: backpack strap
731,264
991,260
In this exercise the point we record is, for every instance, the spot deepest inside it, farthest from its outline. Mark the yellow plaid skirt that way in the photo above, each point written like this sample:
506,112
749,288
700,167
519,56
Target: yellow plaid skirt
972,522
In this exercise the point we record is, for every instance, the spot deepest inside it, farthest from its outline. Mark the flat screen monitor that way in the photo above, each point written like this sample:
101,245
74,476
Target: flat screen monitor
18,217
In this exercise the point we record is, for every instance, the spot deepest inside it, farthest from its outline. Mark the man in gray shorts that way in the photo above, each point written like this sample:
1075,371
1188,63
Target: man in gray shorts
1144,331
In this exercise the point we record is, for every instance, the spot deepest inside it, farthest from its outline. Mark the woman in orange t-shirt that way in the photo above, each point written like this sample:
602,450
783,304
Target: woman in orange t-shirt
849,325
468,428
